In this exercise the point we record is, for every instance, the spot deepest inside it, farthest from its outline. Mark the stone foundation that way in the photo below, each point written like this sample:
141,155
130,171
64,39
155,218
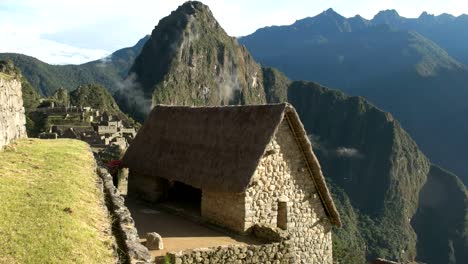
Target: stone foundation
269,253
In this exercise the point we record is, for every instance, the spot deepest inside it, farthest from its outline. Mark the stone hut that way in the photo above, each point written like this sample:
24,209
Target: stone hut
240,167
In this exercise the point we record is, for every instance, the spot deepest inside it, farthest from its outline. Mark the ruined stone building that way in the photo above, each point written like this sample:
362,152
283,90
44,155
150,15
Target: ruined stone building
12,118
239,167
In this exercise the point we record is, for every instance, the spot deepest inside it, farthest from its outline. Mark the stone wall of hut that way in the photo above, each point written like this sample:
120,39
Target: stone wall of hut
147,188
224,209
283,177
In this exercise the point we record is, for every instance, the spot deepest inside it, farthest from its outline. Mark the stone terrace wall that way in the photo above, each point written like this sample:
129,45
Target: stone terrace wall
269,253
282,175
12,118
124,228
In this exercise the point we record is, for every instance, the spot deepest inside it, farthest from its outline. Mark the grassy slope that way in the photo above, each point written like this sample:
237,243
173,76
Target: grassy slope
5,76
39,180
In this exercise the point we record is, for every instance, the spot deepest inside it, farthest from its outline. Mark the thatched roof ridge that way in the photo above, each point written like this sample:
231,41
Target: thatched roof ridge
313,164
217,148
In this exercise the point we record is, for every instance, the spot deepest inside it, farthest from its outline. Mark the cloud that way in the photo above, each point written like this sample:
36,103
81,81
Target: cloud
325,149
29,42
228,86
349,153
130,91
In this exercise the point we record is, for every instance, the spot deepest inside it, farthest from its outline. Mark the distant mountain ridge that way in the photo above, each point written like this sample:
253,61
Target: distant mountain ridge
399,70
446,30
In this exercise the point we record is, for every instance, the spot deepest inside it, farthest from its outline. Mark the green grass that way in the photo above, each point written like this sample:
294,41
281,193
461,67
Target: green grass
51,208
5,76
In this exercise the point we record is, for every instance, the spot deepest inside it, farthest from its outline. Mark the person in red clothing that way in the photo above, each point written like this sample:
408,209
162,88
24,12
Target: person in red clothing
114,166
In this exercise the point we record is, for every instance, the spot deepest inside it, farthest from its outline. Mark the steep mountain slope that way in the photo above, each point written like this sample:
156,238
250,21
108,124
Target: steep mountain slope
47,78
374,168
367,154
400,71
190,60
443,202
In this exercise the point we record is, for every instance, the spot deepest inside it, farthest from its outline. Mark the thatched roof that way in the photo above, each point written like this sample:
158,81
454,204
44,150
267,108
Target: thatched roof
217,148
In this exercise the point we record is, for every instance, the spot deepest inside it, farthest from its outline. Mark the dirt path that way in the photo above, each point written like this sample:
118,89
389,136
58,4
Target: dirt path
177,232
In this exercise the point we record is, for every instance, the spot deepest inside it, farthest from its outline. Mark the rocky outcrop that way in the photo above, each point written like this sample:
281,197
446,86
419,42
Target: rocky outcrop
12,118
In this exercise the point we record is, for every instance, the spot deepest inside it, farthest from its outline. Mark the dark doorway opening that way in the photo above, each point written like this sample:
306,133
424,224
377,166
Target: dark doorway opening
184,196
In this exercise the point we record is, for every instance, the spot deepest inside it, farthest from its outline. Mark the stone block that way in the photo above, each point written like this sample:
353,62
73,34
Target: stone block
154,241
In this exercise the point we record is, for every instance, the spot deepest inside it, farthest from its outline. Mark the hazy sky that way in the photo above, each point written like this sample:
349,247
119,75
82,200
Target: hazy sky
77,31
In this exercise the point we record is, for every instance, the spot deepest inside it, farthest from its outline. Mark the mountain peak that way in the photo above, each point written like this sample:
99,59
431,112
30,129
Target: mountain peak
426,17
330,13
389,16
327,21
446,17
190,60
191,7
389,13
425,14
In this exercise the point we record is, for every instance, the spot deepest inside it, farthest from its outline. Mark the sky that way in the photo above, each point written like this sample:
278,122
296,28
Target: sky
78,31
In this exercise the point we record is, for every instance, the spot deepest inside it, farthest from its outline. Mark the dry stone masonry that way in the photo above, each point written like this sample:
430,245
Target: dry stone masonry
12,118
268,253
125,231
282,190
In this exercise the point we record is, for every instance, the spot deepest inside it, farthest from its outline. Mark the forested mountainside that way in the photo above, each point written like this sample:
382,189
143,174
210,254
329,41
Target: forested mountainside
401,71
47,78
375,169
382,181
91,95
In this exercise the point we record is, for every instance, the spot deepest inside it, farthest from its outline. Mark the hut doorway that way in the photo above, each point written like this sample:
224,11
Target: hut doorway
184,196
